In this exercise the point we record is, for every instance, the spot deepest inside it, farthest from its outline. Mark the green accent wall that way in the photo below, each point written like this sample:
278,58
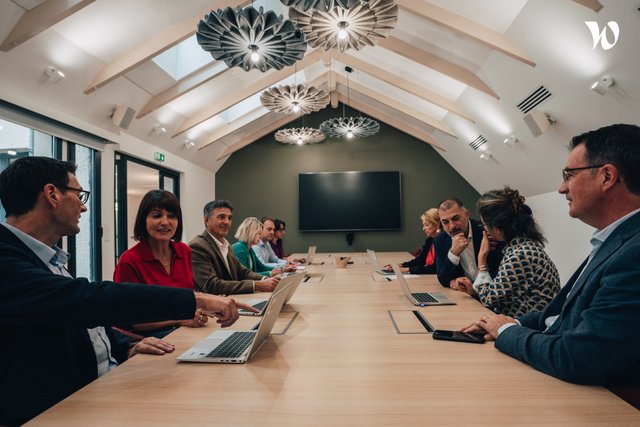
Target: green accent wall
262,179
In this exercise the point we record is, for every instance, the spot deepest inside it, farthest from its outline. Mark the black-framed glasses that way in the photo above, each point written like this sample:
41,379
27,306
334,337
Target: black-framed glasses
83,195
568,173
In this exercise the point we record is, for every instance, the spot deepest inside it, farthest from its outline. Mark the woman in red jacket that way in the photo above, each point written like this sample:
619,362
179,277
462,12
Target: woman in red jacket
159,257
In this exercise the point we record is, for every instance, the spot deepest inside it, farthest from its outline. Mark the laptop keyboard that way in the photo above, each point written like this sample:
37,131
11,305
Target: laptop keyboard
233,346
423,297
260,305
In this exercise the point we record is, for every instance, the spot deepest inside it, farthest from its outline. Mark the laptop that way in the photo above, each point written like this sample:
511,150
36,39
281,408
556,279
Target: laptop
292,280
421,298
310,253
376,264
233,346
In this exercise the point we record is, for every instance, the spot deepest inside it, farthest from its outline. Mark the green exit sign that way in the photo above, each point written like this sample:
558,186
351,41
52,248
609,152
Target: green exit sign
159,156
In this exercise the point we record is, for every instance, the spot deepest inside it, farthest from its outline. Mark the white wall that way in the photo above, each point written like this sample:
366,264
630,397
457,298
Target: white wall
568,237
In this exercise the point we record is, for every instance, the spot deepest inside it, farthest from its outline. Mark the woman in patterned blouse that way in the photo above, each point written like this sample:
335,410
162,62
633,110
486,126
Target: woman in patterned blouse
527,279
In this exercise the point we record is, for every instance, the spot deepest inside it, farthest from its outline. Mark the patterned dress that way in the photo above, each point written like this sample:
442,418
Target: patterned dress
527,280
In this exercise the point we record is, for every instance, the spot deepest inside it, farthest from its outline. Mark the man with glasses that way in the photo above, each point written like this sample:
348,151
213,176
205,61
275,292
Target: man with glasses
53,341
588,333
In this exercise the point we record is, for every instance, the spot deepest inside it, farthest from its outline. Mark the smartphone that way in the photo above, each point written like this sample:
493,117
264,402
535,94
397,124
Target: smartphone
476,338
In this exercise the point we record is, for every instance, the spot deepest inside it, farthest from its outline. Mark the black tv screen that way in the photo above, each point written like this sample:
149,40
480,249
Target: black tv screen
349,201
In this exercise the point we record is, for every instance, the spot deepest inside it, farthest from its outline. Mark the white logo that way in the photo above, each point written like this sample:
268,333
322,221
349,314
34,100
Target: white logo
601,36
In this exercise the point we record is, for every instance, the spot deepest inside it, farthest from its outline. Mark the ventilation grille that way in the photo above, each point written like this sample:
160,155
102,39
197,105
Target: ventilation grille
533,100
478,142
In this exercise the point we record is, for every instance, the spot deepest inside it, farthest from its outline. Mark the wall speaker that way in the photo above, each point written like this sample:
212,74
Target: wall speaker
537,122
122,116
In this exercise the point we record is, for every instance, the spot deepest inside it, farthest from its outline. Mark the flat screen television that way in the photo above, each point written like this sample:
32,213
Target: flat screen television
349,201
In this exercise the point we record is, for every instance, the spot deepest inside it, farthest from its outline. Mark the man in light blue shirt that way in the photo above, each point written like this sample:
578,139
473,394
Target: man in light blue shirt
264,251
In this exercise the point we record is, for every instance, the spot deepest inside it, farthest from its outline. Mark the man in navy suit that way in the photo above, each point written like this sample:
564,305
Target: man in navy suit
589,332
457,248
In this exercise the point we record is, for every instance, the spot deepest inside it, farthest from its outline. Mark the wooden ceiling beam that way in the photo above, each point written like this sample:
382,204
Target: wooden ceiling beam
594,5
465,27
391,121
40,18
436,63
396,105
242,121
182,87
157,44
256,135
394,80
245,92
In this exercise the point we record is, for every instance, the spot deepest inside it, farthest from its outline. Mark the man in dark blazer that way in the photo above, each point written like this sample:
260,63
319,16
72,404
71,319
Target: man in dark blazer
50,323
218,273
457,248
589,332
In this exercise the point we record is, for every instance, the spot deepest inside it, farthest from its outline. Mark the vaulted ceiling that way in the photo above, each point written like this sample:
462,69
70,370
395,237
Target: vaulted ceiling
449,73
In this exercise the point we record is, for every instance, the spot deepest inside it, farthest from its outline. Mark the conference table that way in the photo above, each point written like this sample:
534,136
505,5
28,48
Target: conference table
346,350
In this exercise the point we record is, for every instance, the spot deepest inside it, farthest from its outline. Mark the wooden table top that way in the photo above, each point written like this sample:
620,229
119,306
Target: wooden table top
342,362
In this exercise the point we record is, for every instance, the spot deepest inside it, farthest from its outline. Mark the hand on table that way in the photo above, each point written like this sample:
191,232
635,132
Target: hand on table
463,284
151,345
489,323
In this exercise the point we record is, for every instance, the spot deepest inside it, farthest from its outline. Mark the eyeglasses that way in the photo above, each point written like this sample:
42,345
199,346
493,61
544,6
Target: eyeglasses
568,173
83,195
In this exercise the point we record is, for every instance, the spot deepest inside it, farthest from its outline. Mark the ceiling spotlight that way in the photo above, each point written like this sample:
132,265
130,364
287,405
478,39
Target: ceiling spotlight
486,156
510,140
188,144
12,152
54,74
349,134
158,129
300,141
603,85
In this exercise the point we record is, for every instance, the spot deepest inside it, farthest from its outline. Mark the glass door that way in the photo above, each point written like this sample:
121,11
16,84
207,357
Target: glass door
135,178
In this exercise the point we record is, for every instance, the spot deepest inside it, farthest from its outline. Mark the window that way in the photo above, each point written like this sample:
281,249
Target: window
19,141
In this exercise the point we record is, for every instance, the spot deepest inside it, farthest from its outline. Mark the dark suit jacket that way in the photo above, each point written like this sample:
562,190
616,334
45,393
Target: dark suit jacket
595,340
447,271
211,275
46,352
418,264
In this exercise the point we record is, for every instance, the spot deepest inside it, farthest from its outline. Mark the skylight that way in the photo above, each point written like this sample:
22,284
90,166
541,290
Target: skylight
183,59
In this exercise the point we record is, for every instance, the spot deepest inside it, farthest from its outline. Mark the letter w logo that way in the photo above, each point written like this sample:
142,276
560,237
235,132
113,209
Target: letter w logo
601,36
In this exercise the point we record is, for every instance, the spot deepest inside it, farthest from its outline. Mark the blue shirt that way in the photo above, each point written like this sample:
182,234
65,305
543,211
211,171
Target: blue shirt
265,253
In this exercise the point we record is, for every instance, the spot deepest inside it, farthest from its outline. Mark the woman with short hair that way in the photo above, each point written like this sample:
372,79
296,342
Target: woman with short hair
159,257
527,279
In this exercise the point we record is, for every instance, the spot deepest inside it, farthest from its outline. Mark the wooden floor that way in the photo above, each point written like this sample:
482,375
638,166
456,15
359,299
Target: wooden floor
342,362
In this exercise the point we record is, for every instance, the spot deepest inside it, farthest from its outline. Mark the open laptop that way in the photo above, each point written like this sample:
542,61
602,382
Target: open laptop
232,346
292,281
376,264
310,253
421,298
